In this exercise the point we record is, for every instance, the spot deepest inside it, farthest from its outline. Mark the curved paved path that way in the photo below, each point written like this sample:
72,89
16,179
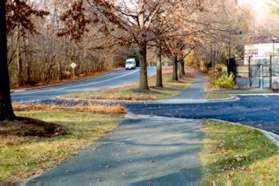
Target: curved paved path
144,150
154,147
194,94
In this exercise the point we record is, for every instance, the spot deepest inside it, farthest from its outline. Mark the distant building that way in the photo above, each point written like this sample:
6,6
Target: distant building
260,67
260,52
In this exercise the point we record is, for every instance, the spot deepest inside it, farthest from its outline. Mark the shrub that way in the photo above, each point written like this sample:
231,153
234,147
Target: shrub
219,78
223,80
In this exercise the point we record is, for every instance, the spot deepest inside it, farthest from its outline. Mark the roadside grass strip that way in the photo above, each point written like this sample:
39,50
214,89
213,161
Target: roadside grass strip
130,92
218,95
23,157
93,108
224,94
238,155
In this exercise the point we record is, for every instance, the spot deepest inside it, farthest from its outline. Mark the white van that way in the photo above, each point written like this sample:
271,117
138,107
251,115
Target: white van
131,64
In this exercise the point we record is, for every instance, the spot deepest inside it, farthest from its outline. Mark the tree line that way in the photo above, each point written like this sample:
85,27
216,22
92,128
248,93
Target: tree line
37,53
39,44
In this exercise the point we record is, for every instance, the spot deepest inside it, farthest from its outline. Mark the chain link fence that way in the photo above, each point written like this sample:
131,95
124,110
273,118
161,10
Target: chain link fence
258,72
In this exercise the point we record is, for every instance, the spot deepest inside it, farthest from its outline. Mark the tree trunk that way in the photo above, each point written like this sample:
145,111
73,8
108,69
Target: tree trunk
182,68
18,57
59,71
179,69
28,71
143,85
6,111
175,69
27,57
159,74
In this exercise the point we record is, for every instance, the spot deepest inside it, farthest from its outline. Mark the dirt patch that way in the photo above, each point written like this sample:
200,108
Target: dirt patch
30,127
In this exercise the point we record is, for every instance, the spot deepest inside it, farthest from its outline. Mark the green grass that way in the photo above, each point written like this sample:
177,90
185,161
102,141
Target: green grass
215,95
131,93
22,157
238,155
223,94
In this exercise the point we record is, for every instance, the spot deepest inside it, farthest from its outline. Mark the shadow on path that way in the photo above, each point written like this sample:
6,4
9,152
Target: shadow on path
195,93
144,150
151,150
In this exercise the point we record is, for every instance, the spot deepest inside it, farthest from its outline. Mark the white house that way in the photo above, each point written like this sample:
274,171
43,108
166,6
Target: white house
258,73
260,53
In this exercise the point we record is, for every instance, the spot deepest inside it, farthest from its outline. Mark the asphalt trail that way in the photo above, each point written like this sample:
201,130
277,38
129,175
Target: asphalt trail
143,151
158,143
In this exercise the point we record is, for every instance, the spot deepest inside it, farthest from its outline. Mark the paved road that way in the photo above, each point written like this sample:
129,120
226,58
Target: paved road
110,80
257,111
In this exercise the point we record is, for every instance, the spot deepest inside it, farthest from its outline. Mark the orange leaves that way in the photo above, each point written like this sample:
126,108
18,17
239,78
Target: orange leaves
19,13
94,108
75,21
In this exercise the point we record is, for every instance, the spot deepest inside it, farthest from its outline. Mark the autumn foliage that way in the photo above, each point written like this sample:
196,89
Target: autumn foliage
19,13
75,21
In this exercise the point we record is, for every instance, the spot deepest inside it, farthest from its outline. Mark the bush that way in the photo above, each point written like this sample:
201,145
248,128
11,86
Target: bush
224,80
219,78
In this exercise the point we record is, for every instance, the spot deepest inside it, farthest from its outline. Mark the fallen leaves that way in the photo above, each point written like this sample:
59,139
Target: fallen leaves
240,154
25,156
95,108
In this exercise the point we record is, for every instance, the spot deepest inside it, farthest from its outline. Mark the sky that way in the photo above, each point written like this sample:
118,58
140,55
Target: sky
261,10
257,4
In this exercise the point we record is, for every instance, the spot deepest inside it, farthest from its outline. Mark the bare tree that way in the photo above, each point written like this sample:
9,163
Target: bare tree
128,22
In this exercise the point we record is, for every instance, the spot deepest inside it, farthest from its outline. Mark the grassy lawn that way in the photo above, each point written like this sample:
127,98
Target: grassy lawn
222,94
131,93
218,95
93,108
22,157
237,155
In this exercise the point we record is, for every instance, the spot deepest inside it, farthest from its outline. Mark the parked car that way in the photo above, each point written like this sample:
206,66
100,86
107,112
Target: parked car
131,64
